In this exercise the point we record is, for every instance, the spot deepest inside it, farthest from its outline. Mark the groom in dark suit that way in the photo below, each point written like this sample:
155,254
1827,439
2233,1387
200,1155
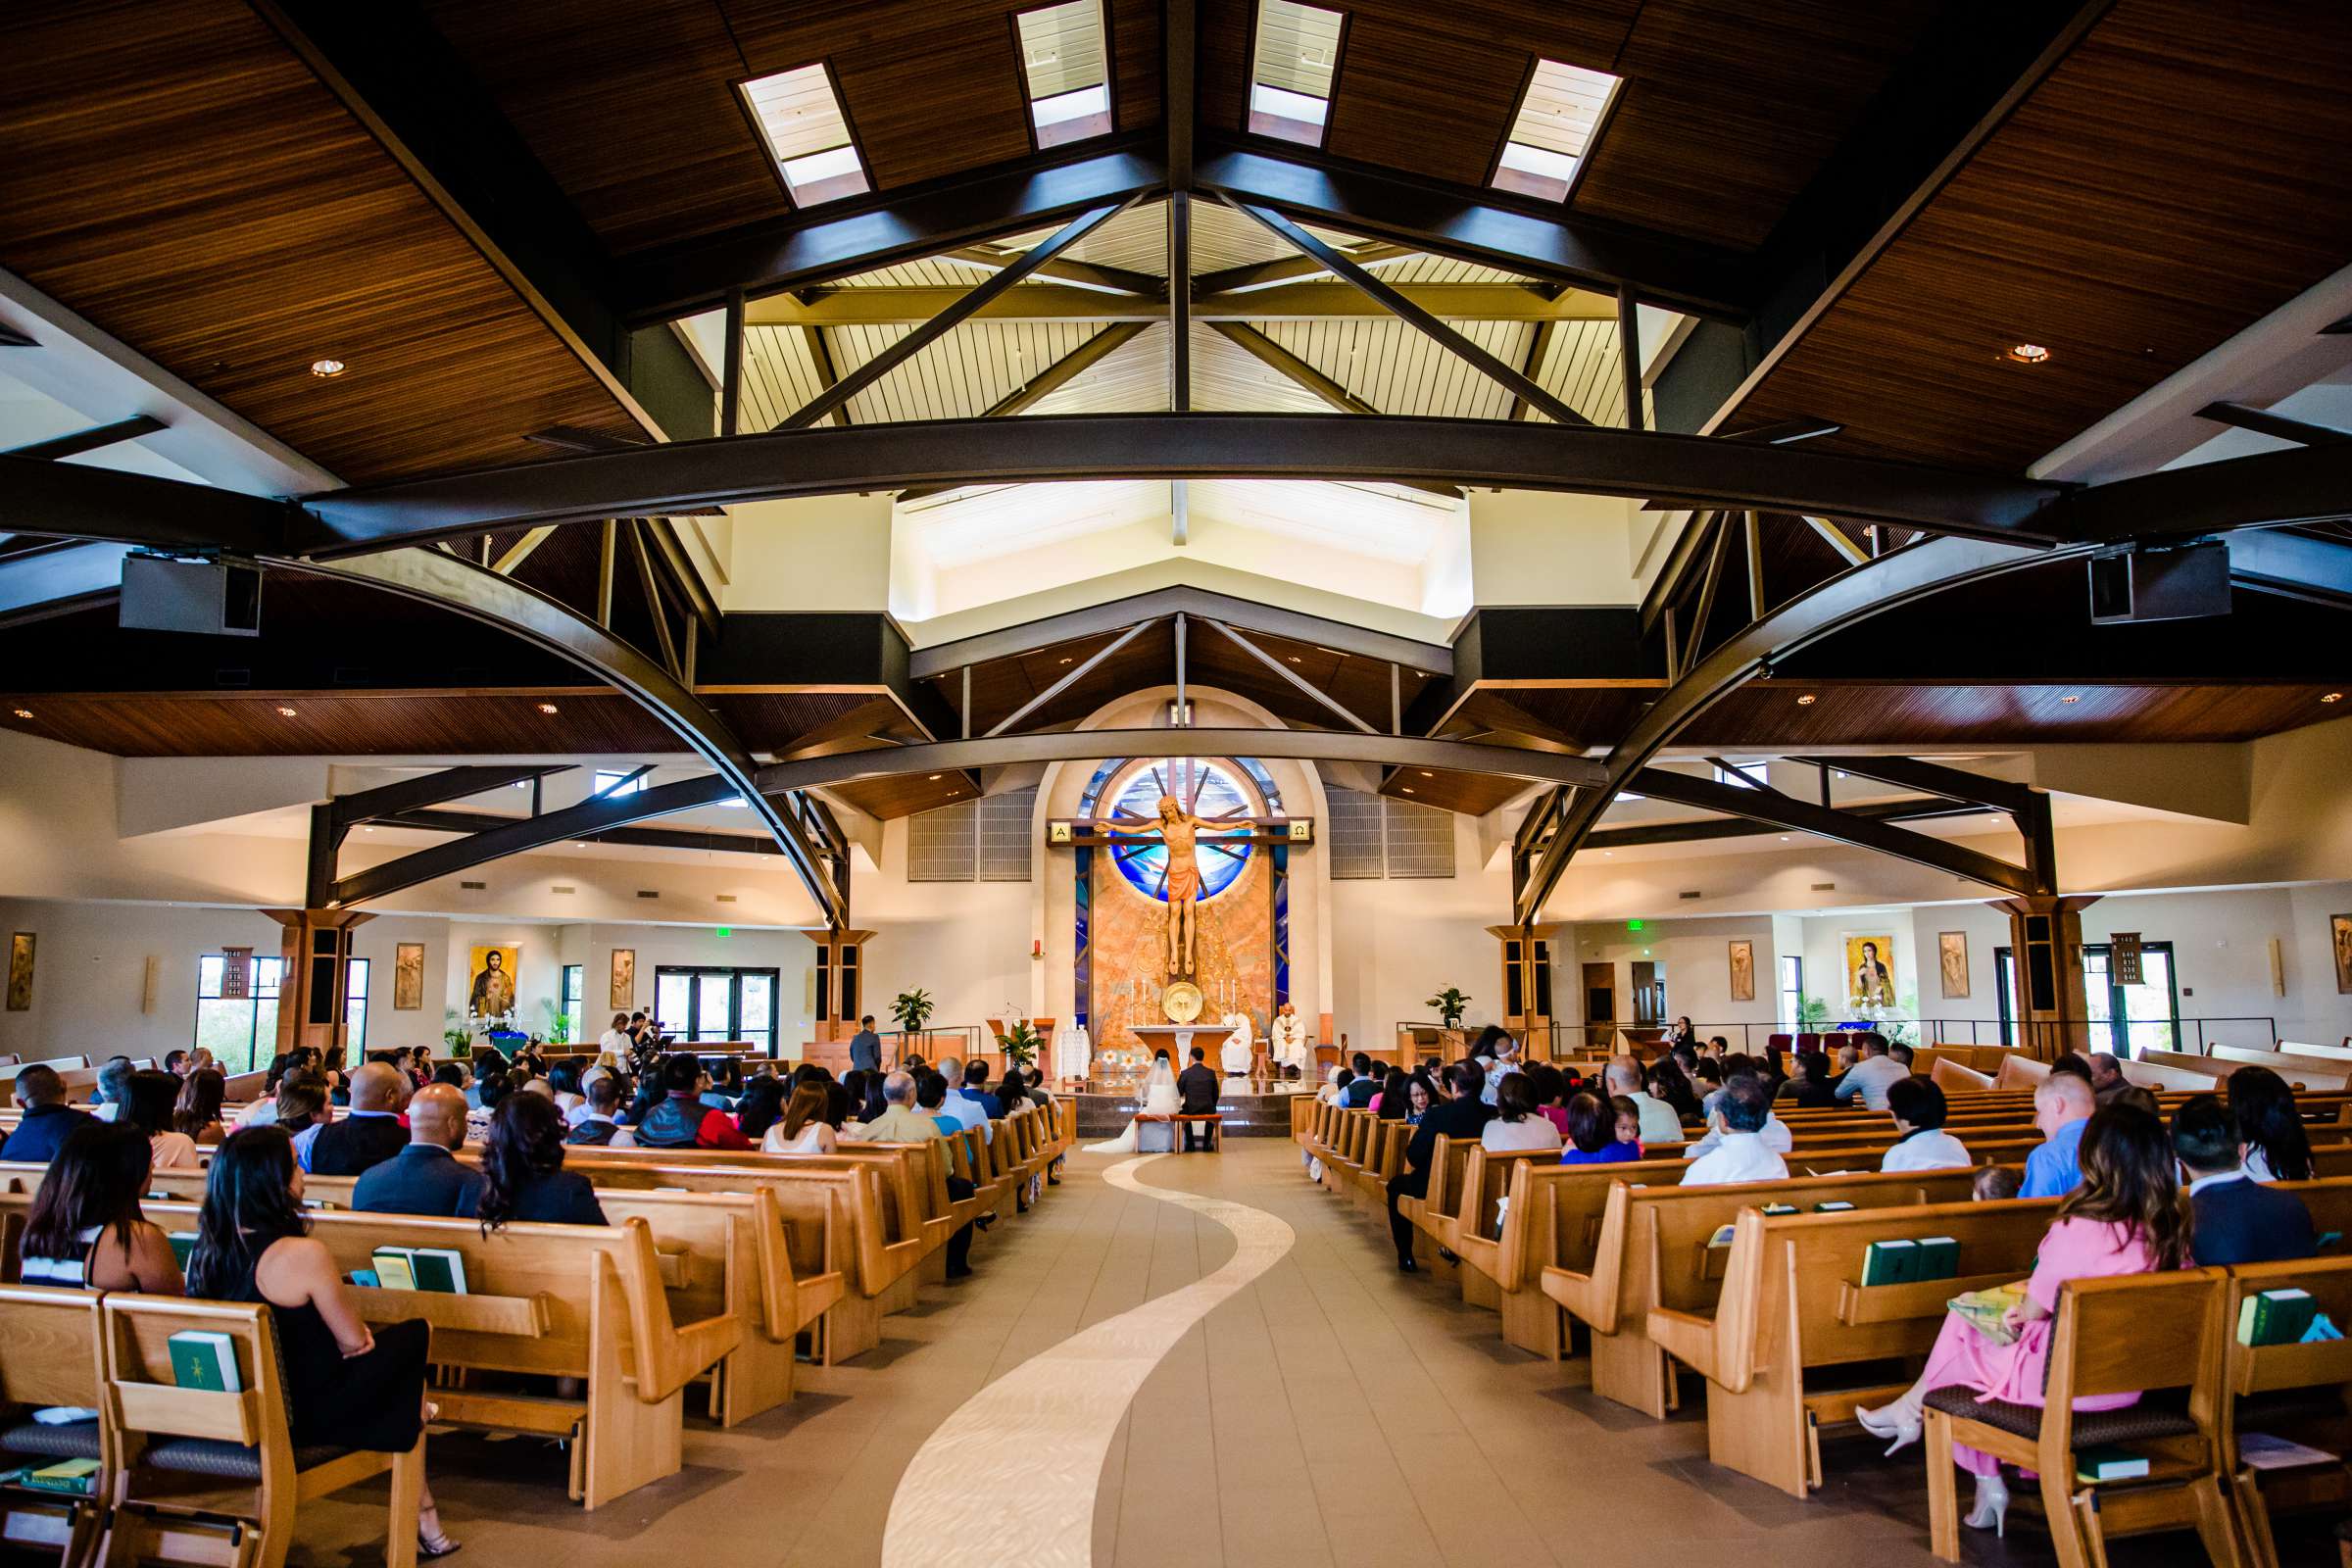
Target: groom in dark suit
1196,1092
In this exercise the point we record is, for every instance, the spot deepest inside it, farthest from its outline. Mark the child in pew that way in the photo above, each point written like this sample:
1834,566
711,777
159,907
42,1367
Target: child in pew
347,1386
1996,1184
2128,1217
1629,1122
1600,1133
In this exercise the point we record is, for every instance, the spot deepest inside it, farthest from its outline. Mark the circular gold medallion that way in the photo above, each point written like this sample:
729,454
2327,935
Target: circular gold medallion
1181,1001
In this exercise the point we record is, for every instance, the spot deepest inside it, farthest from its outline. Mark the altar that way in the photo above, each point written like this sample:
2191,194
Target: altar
1178,1040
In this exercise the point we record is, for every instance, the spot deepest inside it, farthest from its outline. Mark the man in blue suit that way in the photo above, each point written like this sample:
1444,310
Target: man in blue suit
2238,1220
424,1178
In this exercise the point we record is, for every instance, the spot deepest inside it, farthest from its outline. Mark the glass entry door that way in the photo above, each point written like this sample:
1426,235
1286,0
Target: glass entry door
705,1003
2126,1020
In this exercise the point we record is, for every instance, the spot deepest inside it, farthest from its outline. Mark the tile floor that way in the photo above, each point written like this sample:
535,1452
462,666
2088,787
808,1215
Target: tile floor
1329,1412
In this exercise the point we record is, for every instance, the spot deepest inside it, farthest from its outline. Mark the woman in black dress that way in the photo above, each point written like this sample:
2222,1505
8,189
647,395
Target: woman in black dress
346,1387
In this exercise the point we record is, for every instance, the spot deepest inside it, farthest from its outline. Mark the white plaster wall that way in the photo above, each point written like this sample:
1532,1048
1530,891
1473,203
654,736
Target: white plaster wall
1530,547
824,552
1695,959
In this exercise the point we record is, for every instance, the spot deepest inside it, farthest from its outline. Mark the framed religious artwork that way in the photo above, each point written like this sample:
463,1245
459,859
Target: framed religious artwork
491,992
2339,928
1870,970
1951,963
407,977
20,972
624,980
1743,970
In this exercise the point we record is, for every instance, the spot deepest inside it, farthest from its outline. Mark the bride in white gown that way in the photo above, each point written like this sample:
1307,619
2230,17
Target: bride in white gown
1159,1100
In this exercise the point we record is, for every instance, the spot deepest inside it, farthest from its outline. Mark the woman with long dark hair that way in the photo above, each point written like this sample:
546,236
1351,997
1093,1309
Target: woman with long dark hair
2277,1149
85,1227
2129,1216
761,1103
1666,1082
1390,1104
804,1129
346,1385
153,1104
198,1112
522,1170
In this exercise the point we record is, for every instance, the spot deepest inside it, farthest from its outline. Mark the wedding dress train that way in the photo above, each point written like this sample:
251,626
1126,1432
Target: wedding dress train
1159,1100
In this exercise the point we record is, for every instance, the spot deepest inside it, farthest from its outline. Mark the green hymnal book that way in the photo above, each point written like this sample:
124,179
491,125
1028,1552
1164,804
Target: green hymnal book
439,1269
2106,1462
1834,1205
76,1477
2276,1317
1778,1208
183,1247
202,1359
392,1268
1938,1258
1891,1263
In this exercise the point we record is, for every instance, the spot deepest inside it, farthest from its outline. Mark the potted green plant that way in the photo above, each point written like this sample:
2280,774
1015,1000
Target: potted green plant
559,1024
913,1009
1450,1004
1020,1045
1812,1014
455,1034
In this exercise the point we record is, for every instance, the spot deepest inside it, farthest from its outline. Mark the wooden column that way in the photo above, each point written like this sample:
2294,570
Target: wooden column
1526,995
316,947
2045,938
841,995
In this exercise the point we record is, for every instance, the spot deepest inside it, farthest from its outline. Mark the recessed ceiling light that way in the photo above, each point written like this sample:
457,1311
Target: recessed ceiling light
285,711
1408,789
2029,353
1066,661
1807,700
1784,838
323,368
2069,698
1426,773
26,712
548,707
1294,659
2325,697
367,830
934,778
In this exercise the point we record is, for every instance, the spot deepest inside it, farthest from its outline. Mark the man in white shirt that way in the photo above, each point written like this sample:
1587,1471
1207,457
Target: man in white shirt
1659,1123
1919,1110
1741,1155
956,1108
1874,1074
616,1039
1775,1135
1289,1035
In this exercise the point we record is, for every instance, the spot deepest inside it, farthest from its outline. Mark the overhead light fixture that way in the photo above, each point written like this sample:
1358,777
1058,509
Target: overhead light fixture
285,711
1426,773
2029,353
323,368
2070,698
1807,700
548,707
2325,697
1408,789
1784,838
26,712
934,778
1066,661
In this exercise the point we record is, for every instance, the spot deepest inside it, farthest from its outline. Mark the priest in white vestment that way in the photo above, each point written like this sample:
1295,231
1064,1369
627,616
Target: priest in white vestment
1236,1052
1289,1039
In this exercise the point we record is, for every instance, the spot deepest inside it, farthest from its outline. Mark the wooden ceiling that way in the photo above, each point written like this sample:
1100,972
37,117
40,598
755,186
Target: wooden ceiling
177,175
2170,182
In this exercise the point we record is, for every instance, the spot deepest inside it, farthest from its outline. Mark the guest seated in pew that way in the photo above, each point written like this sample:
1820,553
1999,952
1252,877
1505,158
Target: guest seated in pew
2062,1106
114,1089
2072,1063
1667,1084
48,1121
1629,1120
1463,1114
371,1135
1334,1086
2107,1078
1516,1123
680,1120
1551,1086
1593,1134
953,1107
598,1129
1659,1122
564,1087
802,1129
301,1102
1874,1074
2135,1094
2277,1149
929,1091
1740,1154
975,1090
2128,1217
198,1112
153,1098
762,1106
1919,1111
338,1079
2238,1220
424,1178
1809,1088
1419,1096
1706,1082
1775,1131
85,1227
1361,1083
1388,1105
175,1063
523,1178
347,1386
1994,1184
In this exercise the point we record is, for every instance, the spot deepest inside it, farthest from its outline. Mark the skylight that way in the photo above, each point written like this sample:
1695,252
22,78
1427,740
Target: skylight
801,117
1297,50
1558,119
1068,78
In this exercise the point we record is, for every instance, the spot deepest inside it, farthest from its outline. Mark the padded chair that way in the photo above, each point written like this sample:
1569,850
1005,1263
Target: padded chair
2144,1333
175,1441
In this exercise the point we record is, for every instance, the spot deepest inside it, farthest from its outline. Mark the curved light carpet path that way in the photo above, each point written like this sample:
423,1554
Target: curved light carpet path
1039,1435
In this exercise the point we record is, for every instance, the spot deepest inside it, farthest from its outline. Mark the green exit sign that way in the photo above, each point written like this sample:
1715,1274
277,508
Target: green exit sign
725,931
1633,925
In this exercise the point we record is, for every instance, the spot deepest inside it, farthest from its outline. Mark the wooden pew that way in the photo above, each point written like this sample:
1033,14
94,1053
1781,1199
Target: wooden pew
52,1352
1653,1252
2285,1378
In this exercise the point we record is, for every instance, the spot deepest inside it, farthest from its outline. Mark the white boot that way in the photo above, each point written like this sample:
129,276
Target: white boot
1991,1511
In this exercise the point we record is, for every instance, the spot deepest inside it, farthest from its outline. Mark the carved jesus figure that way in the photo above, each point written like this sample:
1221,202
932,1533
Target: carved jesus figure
1181,830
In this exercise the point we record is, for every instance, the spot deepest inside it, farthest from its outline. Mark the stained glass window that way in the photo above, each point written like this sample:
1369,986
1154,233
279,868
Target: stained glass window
1215,790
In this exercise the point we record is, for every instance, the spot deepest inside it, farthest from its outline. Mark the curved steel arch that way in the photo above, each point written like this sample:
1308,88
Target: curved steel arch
659,480
1890,582
447,582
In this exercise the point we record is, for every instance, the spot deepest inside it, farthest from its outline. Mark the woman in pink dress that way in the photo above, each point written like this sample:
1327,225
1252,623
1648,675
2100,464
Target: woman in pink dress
2129,1216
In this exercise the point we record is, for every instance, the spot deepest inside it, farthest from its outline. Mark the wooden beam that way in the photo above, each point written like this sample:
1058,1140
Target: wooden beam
900,305
1291,269
1063,269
